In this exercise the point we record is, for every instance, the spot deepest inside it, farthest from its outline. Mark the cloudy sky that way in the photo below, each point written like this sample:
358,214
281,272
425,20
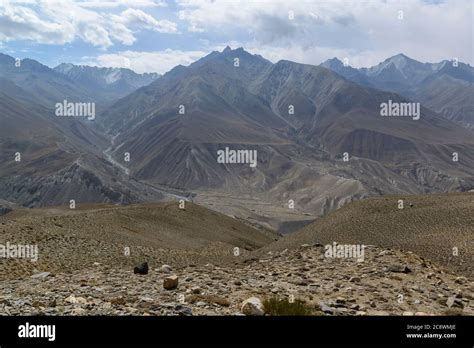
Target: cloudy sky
156,35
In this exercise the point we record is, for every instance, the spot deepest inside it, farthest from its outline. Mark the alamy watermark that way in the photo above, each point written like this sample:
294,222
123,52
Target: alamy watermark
407,109
237,156
345,251
19,251
71,109
37,331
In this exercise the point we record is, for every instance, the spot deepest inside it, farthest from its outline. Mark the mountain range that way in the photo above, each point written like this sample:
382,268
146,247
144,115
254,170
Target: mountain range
445,87
318,132
109,83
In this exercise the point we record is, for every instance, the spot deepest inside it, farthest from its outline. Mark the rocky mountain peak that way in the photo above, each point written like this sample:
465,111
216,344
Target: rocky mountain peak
333,63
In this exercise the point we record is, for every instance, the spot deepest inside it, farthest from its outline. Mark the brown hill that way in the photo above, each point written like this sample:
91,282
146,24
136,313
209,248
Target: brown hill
429,225
71,239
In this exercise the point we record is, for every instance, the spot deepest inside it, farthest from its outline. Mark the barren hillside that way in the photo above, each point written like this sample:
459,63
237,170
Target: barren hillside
69,240
429,225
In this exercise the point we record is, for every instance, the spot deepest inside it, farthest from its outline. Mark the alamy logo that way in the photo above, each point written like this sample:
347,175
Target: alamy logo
19,251
237,156
345,251
400,109
71,109
37,331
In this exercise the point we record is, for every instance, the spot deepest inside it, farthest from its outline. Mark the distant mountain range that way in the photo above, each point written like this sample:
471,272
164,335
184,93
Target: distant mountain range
111,83
319,134
58,156
67,81
445,87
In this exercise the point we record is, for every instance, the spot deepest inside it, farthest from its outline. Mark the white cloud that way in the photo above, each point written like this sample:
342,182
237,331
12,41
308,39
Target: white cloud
159,61
60,22
23,23
139,19
366,32
119,3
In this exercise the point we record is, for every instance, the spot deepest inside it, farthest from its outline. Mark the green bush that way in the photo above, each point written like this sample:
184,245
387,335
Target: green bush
276,306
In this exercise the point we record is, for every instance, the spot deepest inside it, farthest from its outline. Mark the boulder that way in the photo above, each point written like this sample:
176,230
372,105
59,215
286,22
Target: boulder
253,306
141,269
170,283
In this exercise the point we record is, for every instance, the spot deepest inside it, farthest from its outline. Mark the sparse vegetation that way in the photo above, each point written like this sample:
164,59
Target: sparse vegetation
282,307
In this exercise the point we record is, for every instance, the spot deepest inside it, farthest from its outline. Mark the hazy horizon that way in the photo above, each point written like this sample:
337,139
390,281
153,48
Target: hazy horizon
233,48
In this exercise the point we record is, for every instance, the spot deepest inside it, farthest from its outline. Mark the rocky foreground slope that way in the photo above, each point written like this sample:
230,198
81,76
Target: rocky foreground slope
200,262
386,282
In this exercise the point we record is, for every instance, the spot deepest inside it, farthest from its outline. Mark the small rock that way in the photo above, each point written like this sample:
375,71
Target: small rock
183,310
454,302
76,300
170,282
37,304
165,269
78,311
399,269
252,306
461,280
325,308
145,299
42,275
408,314
141,269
